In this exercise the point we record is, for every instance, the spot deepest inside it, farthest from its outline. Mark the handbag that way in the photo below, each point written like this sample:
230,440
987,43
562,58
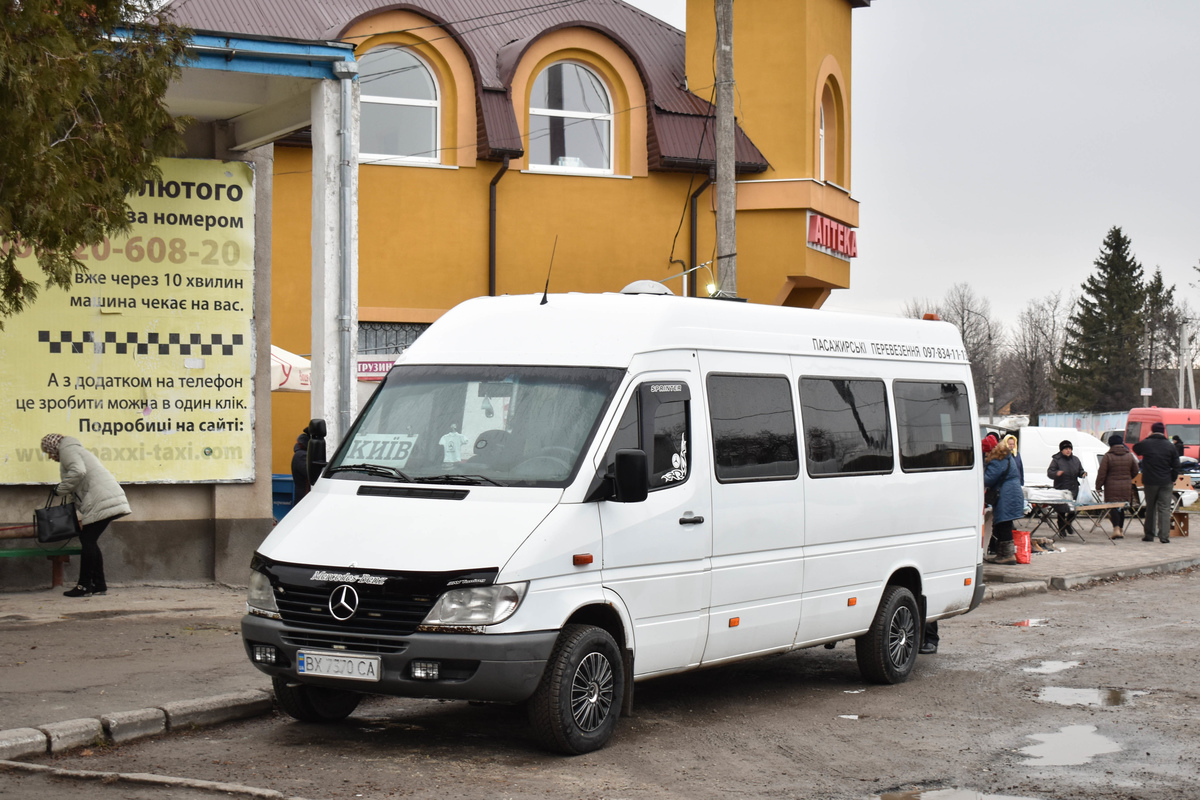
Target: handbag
55,523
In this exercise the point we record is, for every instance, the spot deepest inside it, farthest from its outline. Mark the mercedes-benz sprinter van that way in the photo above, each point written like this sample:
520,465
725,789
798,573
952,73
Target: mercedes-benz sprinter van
551,498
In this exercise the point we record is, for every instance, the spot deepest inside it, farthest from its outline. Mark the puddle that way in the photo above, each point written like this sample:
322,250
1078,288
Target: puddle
847,716
1087,697
853,691
1071,746
1051,667
1029,623
947,794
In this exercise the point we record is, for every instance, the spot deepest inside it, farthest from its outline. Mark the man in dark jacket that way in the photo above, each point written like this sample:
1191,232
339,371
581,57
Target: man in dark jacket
1160,468
1066,470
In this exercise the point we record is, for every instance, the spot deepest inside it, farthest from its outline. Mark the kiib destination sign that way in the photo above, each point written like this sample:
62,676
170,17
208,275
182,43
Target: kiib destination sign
832,238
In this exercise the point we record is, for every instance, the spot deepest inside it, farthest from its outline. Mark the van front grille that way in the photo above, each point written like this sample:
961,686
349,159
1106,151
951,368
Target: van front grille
378,613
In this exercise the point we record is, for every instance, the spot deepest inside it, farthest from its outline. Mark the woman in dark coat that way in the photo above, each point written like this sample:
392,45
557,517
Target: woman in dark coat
1001,470
1115,479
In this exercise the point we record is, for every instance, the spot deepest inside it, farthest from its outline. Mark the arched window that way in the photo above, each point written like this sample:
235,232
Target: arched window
830,163
570,121
400,106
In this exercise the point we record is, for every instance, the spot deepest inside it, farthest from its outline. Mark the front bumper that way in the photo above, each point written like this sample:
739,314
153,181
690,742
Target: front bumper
500,668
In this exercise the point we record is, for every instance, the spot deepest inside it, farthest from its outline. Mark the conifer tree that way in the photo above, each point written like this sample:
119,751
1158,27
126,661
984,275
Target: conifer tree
1102,361
83,117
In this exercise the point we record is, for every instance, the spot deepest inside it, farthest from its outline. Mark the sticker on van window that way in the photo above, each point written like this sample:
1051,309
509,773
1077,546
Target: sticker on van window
679,464
385,449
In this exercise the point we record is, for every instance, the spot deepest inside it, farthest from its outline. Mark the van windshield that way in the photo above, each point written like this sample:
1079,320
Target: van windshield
508,426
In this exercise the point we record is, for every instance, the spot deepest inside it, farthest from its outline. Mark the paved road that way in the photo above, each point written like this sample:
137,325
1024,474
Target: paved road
800,725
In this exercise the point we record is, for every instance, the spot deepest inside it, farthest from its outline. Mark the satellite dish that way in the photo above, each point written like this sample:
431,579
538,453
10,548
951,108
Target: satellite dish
646,287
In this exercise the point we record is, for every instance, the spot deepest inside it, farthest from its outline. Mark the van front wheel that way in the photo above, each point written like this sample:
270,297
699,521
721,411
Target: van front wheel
576,705
888,651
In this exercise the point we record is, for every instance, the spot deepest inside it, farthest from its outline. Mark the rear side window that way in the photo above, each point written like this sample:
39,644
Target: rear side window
933,426
846,428
1132,431
754,428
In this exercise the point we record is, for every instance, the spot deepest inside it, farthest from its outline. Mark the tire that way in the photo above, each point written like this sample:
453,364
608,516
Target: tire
314,703
887,652
575,707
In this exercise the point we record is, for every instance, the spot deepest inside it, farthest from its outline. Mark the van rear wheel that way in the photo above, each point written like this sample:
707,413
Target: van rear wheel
575,707
888,651
314,703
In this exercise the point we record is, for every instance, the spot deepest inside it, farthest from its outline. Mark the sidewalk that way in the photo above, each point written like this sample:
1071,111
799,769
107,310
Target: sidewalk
152,648
1092,559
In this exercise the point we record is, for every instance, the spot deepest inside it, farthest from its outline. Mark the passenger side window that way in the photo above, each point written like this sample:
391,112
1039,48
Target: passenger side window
933,426
656,420
846,429
754,428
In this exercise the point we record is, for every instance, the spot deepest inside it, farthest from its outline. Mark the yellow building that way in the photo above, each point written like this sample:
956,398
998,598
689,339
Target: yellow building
590,125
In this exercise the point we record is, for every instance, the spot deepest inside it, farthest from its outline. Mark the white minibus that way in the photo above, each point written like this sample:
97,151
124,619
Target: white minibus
550,498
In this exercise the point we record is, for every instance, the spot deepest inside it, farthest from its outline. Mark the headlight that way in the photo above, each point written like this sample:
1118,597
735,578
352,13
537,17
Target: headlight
260,600
482,605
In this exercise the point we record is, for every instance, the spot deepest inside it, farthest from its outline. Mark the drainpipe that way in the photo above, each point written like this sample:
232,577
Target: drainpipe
691,287
346,72
492,227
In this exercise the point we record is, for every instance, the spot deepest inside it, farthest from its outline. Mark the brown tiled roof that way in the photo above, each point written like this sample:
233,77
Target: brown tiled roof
494,34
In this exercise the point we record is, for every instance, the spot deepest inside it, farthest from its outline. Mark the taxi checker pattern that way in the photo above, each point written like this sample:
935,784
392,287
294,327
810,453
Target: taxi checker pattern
136,343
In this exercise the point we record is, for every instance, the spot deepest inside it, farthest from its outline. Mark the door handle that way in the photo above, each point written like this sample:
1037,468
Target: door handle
691,520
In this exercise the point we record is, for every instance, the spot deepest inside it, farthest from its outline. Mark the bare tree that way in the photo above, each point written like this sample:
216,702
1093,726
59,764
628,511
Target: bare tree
983,335
918,307
1034,353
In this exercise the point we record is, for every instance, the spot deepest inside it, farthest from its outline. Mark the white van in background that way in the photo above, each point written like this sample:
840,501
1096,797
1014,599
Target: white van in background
1037,445
550,498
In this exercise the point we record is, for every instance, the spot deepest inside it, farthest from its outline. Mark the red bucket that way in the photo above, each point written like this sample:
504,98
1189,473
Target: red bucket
1021,540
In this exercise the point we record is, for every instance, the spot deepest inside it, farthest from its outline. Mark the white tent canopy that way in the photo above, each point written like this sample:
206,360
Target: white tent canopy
289,372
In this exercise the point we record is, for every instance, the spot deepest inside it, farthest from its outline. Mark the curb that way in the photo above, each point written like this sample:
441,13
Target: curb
999,589
1003,591
1075,581
125,726
146,778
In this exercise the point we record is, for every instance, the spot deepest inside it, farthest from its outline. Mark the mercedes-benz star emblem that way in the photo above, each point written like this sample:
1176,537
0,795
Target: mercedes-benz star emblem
343,602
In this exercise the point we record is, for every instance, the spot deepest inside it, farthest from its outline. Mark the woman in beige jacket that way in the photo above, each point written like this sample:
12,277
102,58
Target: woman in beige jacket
99,500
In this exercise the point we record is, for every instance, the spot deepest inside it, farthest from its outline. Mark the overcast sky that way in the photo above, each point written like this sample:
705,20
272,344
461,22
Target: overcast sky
997,141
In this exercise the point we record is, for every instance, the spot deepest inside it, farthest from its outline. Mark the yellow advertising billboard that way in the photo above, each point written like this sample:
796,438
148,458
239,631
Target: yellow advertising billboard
149,359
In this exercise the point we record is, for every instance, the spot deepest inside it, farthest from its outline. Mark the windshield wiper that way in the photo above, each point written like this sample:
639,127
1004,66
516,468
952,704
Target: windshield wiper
378,470
470,480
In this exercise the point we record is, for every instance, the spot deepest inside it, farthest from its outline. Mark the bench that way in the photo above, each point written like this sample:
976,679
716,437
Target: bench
57,555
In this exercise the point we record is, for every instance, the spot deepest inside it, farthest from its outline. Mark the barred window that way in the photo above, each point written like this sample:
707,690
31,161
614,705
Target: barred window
384,338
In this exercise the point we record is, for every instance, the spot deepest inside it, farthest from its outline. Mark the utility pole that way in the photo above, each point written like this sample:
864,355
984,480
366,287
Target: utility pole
726,143
1146,370
1182,349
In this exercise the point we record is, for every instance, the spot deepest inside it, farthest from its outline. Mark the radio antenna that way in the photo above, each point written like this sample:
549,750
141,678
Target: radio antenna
547,290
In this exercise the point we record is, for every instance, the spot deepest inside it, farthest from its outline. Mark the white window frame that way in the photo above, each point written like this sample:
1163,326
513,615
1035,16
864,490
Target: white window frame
611,117
822,138
368,159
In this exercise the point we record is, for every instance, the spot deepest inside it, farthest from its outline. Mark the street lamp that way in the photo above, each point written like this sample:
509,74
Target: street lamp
990,376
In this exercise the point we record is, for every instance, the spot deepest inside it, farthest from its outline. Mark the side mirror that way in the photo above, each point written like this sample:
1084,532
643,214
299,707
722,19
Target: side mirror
316,450
631,476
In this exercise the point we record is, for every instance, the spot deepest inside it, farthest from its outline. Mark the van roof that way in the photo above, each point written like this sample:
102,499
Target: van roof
608,330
